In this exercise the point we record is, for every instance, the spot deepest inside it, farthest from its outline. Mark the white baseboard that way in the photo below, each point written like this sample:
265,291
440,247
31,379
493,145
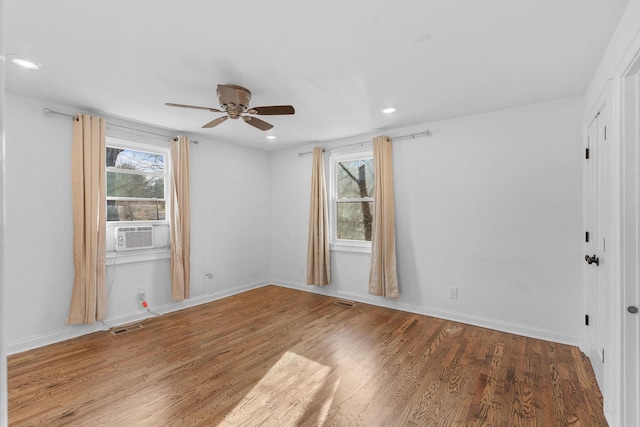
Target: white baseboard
74,331
484,322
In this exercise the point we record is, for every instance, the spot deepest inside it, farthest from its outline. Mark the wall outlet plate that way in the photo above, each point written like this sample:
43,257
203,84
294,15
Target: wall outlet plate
141,294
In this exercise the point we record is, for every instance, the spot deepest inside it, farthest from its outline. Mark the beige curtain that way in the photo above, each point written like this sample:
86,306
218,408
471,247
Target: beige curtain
383,278
180,222
89,295
318,261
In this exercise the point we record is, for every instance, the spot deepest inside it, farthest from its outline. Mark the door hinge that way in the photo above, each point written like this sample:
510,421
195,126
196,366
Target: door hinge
586,320
605,133
603,355
586,236
586,153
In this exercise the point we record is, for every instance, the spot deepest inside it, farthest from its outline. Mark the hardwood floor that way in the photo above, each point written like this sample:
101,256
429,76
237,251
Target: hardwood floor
276,356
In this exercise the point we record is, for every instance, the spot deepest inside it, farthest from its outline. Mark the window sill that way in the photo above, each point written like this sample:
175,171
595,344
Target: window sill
116,258
357,248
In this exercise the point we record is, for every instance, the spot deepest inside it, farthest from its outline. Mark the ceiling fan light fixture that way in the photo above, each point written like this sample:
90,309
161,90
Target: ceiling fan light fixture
388,110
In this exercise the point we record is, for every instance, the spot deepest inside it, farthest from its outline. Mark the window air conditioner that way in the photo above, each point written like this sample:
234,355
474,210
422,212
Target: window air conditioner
129,238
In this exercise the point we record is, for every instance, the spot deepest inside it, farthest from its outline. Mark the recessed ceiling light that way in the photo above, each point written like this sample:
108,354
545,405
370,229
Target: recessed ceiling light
23,62
271,137
388,110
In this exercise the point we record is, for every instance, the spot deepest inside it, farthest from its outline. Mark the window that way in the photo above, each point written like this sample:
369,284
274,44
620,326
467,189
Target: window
351,190
137,181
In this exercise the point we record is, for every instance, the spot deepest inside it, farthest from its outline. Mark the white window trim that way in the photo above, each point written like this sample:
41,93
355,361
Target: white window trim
142,255
343,245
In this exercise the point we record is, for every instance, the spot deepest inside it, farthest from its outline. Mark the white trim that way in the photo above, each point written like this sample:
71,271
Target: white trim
117,258
115,169
137,145
352,246
75,331
151,222
480,321
619,397
4,401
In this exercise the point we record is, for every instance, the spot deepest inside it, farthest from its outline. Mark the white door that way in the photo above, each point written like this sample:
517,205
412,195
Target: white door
630,159
598,266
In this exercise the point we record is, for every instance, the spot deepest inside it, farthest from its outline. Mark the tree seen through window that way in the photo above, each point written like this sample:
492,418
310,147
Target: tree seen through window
354,199
135,185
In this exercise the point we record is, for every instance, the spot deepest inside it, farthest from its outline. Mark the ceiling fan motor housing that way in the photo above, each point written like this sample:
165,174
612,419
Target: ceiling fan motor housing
234,102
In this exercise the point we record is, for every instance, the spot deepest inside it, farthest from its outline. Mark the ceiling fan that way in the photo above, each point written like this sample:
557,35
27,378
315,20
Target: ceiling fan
234,101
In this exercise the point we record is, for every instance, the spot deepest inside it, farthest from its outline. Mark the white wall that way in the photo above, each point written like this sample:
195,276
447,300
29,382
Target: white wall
487,205
229,235
490,204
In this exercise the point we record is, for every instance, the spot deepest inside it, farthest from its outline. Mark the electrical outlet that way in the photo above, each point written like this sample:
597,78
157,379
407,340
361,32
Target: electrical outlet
141,294
453,293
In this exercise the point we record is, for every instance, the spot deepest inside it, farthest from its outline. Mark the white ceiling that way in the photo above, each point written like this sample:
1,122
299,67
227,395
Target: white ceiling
337,62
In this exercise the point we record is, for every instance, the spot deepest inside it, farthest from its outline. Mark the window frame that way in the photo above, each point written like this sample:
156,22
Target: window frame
124,144
344,245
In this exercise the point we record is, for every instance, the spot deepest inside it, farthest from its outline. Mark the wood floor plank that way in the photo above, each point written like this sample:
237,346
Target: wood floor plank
280,357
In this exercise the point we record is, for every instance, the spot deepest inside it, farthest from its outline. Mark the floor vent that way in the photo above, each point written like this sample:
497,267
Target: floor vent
120,330
345,303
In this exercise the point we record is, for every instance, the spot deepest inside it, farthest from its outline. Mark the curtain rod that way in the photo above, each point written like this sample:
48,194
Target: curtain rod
48,112
398,138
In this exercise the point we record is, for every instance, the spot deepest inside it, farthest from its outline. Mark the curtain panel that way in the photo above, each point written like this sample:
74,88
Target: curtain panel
89,295
318,260
180,218
383,278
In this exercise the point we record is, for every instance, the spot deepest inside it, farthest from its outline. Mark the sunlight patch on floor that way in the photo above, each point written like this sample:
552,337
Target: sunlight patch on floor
295,388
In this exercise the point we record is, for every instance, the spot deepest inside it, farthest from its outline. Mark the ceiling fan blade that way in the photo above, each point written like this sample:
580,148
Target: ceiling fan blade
215,122
257,123
272,110
170,104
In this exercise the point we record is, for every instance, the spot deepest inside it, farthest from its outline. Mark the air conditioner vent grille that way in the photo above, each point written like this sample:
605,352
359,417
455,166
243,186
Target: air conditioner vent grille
129,238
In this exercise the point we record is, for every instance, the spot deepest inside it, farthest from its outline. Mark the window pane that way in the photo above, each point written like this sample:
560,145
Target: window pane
135,160
355,179
354,220
134,185
120,210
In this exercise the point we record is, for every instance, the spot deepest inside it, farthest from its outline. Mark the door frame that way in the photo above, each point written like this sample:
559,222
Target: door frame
628,67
